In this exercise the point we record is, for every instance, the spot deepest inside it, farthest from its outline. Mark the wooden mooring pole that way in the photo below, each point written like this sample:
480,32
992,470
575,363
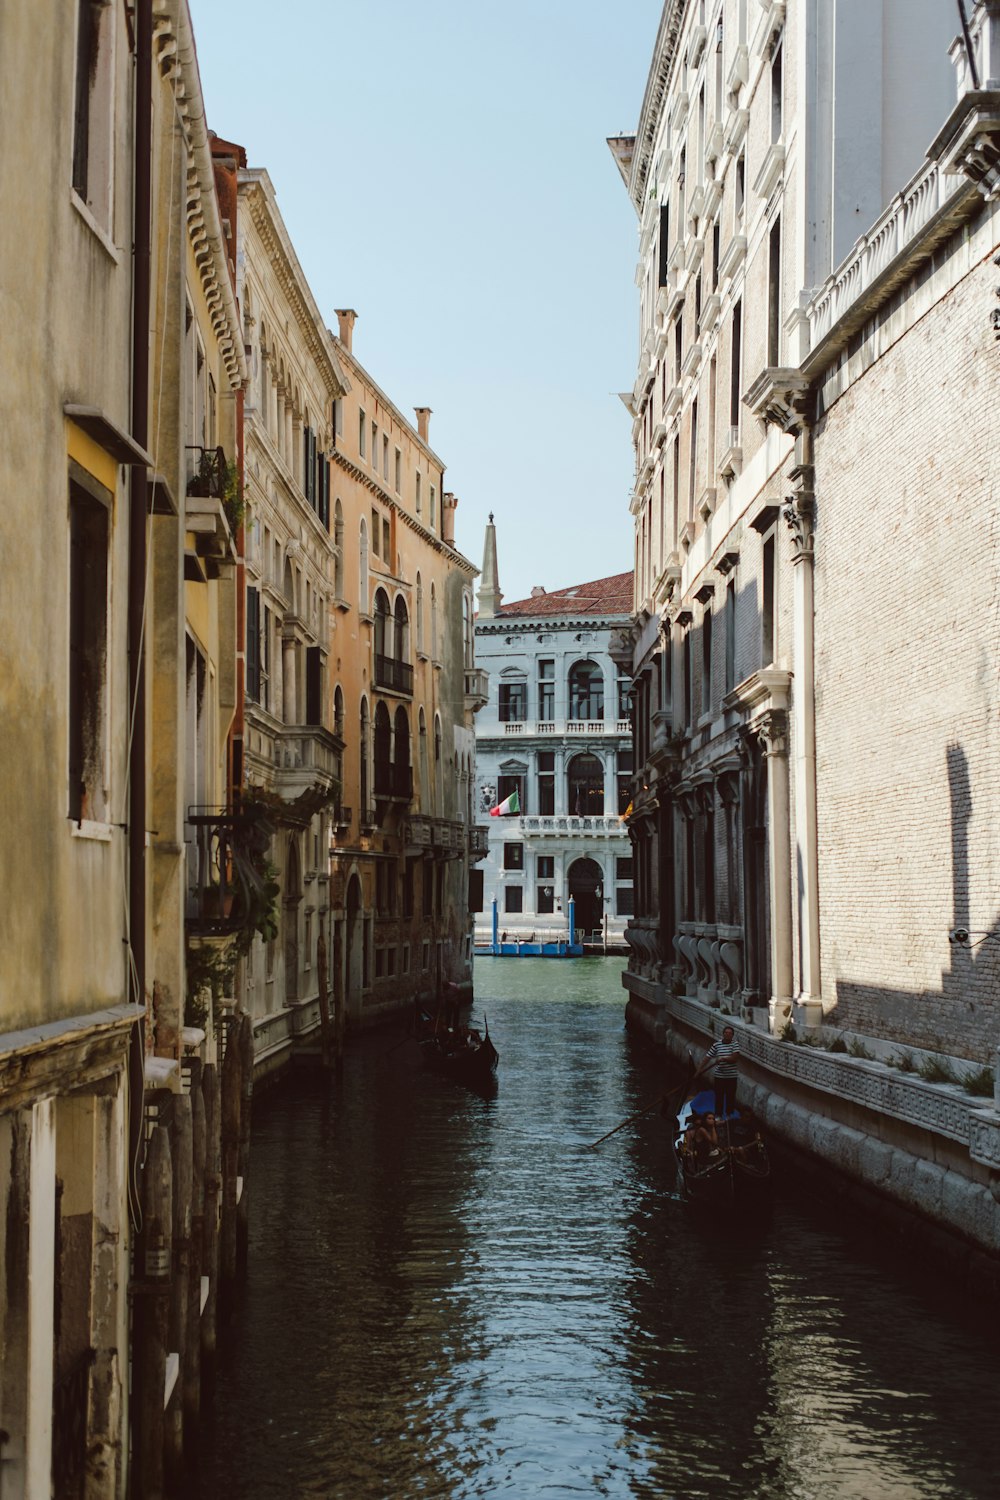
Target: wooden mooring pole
152,1317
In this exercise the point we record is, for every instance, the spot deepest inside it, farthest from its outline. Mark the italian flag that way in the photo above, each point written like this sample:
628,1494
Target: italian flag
508,808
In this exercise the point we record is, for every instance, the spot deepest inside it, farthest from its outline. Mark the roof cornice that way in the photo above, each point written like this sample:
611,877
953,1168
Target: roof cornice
257,195
362,476
657,86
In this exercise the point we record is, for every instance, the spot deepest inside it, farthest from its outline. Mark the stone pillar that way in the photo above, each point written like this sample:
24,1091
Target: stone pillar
799,514
610,783
773,726
289,707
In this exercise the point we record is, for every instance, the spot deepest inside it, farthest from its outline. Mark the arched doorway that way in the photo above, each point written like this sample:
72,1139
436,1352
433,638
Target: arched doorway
354,957
585,880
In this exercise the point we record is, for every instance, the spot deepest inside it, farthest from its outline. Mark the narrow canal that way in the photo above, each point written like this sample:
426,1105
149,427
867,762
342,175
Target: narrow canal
453,1297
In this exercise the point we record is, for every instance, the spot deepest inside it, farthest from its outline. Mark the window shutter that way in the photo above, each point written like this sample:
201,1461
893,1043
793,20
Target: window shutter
253,644
324,490
314,677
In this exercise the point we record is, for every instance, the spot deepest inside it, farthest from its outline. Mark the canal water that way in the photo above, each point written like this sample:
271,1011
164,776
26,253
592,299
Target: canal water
453,1297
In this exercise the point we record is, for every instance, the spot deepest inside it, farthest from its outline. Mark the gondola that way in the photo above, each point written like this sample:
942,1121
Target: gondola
734,1169
463,1053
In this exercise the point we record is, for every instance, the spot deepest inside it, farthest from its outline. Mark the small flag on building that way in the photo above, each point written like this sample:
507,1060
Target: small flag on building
508,808
627,813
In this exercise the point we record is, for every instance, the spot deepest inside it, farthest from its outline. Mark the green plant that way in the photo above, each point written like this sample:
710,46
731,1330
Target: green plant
210,972
937,1070
979,1083
232,497
904,1062
788,1032
857,1048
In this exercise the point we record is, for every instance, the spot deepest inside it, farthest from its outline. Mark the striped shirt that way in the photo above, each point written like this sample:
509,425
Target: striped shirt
724,1056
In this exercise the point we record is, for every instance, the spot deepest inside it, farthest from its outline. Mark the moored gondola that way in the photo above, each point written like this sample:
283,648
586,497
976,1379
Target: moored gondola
720,1160
462,1053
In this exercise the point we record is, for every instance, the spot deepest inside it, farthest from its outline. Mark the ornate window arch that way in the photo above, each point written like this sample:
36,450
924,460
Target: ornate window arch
586,690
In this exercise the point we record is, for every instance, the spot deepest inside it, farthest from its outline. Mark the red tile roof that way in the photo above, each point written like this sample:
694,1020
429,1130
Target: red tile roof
604,596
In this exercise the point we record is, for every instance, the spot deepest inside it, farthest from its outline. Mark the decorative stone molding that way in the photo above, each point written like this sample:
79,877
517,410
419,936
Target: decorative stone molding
782,395
939,1109
772,726
799,512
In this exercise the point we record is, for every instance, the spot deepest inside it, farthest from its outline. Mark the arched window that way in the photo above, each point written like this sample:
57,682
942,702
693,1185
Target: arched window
420,613
586,785
365,759
434,624
338,556
438,764
383,751
586,691
468,639
363,570
425,785
402,773
338,712
402,631
382,627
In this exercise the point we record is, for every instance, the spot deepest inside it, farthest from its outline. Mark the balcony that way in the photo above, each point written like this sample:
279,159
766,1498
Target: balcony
477,688
423,834
305,756
598,825
731,461
341,818
479,843
551,728
395,676
393,783
212,513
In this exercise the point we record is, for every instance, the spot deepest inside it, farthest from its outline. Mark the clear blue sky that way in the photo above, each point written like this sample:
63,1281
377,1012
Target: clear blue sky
441,167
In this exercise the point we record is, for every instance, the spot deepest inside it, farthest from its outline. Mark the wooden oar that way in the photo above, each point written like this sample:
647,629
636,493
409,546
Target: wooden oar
637,1116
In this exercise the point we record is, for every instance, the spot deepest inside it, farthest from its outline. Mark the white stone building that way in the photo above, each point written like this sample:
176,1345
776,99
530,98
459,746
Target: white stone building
816,726
556,729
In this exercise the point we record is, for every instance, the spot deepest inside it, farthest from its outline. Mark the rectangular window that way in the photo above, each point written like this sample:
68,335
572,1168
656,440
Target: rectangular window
362,430
390,955
386,543
513,702
513,898
624,901
706,659
735,369
741,185
774,295
425,957
385,457
693,474
547,690
376,530
624,698
716,242
664,245
513,856
678,348
623,869
767,603
88,643
545,866
433,518
546,782
399,471
93,117
375,446
408,869
625,773
730,636
688,678
418,494
406,958
253,644
426,891
776,94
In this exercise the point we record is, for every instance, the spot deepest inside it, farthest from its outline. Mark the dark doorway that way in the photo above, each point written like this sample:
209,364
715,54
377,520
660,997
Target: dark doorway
586,888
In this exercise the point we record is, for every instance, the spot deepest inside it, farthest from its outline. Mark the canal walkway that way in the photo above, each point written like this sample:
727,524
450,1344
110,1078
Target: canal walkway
454,1297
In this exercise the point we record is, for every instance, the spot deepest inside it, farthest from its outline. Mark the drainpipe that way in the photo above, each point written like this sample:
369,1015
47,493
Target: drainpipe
138,507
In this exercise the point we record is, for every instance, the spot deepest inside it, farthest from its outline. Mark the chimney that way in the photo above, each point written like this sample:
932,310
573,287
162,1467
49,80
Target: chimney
449,505
346,317
423,422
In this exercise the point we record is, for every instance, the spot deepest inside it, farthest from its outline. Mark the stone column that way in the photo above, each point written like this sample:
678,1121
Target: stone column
288,704
799,513
773,726
609,758
41,1297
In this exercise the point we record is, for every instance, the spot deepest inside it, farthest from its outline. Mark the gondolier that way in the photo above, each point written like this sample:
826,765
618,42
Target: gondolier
722,1059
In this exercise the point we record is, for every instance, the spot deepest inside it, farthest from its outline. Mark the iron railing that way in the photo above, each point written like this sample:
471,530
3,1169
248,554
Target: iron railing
395,675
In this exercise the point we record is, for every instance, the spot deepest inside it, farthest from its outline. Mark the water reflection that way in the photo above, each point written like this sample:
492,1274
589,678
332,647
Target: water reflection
455,1297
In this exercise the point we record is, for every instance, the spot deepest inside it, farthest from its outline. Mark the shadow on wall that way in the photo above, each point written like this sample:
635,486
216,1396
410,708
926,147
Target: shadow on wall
959,1018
